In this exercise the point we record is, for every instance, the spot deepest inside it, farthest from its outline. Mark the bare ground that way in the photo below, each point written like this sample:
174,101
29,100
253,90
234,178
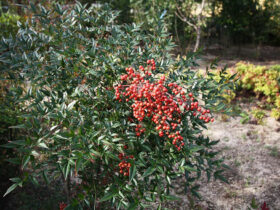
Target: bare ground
252,153
229,56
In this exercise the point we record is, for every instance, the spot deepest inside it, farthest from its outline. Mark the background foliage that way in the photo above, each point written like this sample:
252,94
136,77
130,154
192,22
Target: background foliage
244,21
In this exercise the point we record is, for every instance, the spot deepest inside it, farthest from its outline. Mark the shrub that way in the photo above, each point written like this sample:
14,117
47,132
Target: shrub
9,111
263,81
258,115
275,113
109,109
8,23
8,108
226,76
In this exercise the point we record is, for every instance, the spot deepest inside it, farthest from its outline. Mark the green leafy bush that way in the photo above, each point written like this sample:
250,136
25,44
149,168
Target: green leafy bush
260,79
275,112
9,111
114,131
258,115
226,76
8,23
263,81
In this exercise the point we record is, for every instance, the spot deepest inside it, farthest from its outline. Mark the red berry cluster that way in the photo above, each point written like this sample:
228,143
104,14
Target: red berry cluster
139,130
62,206
264,206
124,165
163,102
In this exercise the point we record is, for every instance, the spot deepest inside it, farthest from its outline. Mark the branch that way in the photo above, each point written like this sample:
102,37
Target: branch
184,19
202,6
199,16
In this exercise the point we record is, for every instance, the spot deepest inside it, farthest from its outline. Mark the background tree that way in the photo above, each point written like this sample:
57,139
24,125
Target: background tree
191,12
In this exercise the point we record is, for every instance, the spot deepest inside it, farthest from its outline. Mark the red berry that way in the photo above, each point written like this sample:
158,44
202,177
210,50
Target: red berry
157,101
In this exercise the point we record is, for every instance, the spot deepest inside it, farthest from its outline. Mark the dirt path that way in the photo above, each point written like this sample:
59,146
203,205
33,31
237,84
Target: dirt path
265,55
252,153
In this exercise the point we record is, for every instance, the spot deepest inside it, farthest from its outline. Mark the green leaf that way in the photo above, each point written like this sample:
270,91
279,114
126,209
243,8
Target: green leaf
67,169
148,198
108,196
116,125
25,160
14,144
113,156
254,203
132,206
145,206
18,126
132,172
101,137
16,161
35,153
8,145
160,169
43,145
182,162
149,171
19,142
168,180
171,198
16,180
208,173
226,166
222,178
95,153
70,106
10,189
220,107
194,191
218,175
34,180
46,177
188,168
196,148
60,137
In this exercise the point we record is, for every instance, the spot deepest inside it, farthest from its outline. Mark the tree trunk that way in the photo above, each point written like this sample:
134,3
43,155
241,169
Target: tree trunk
177,36
198,27
197,40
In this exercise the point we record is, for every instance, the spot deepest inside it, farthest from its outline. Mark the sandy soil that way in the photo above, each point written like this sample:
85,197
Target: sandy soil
229,56
252,152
